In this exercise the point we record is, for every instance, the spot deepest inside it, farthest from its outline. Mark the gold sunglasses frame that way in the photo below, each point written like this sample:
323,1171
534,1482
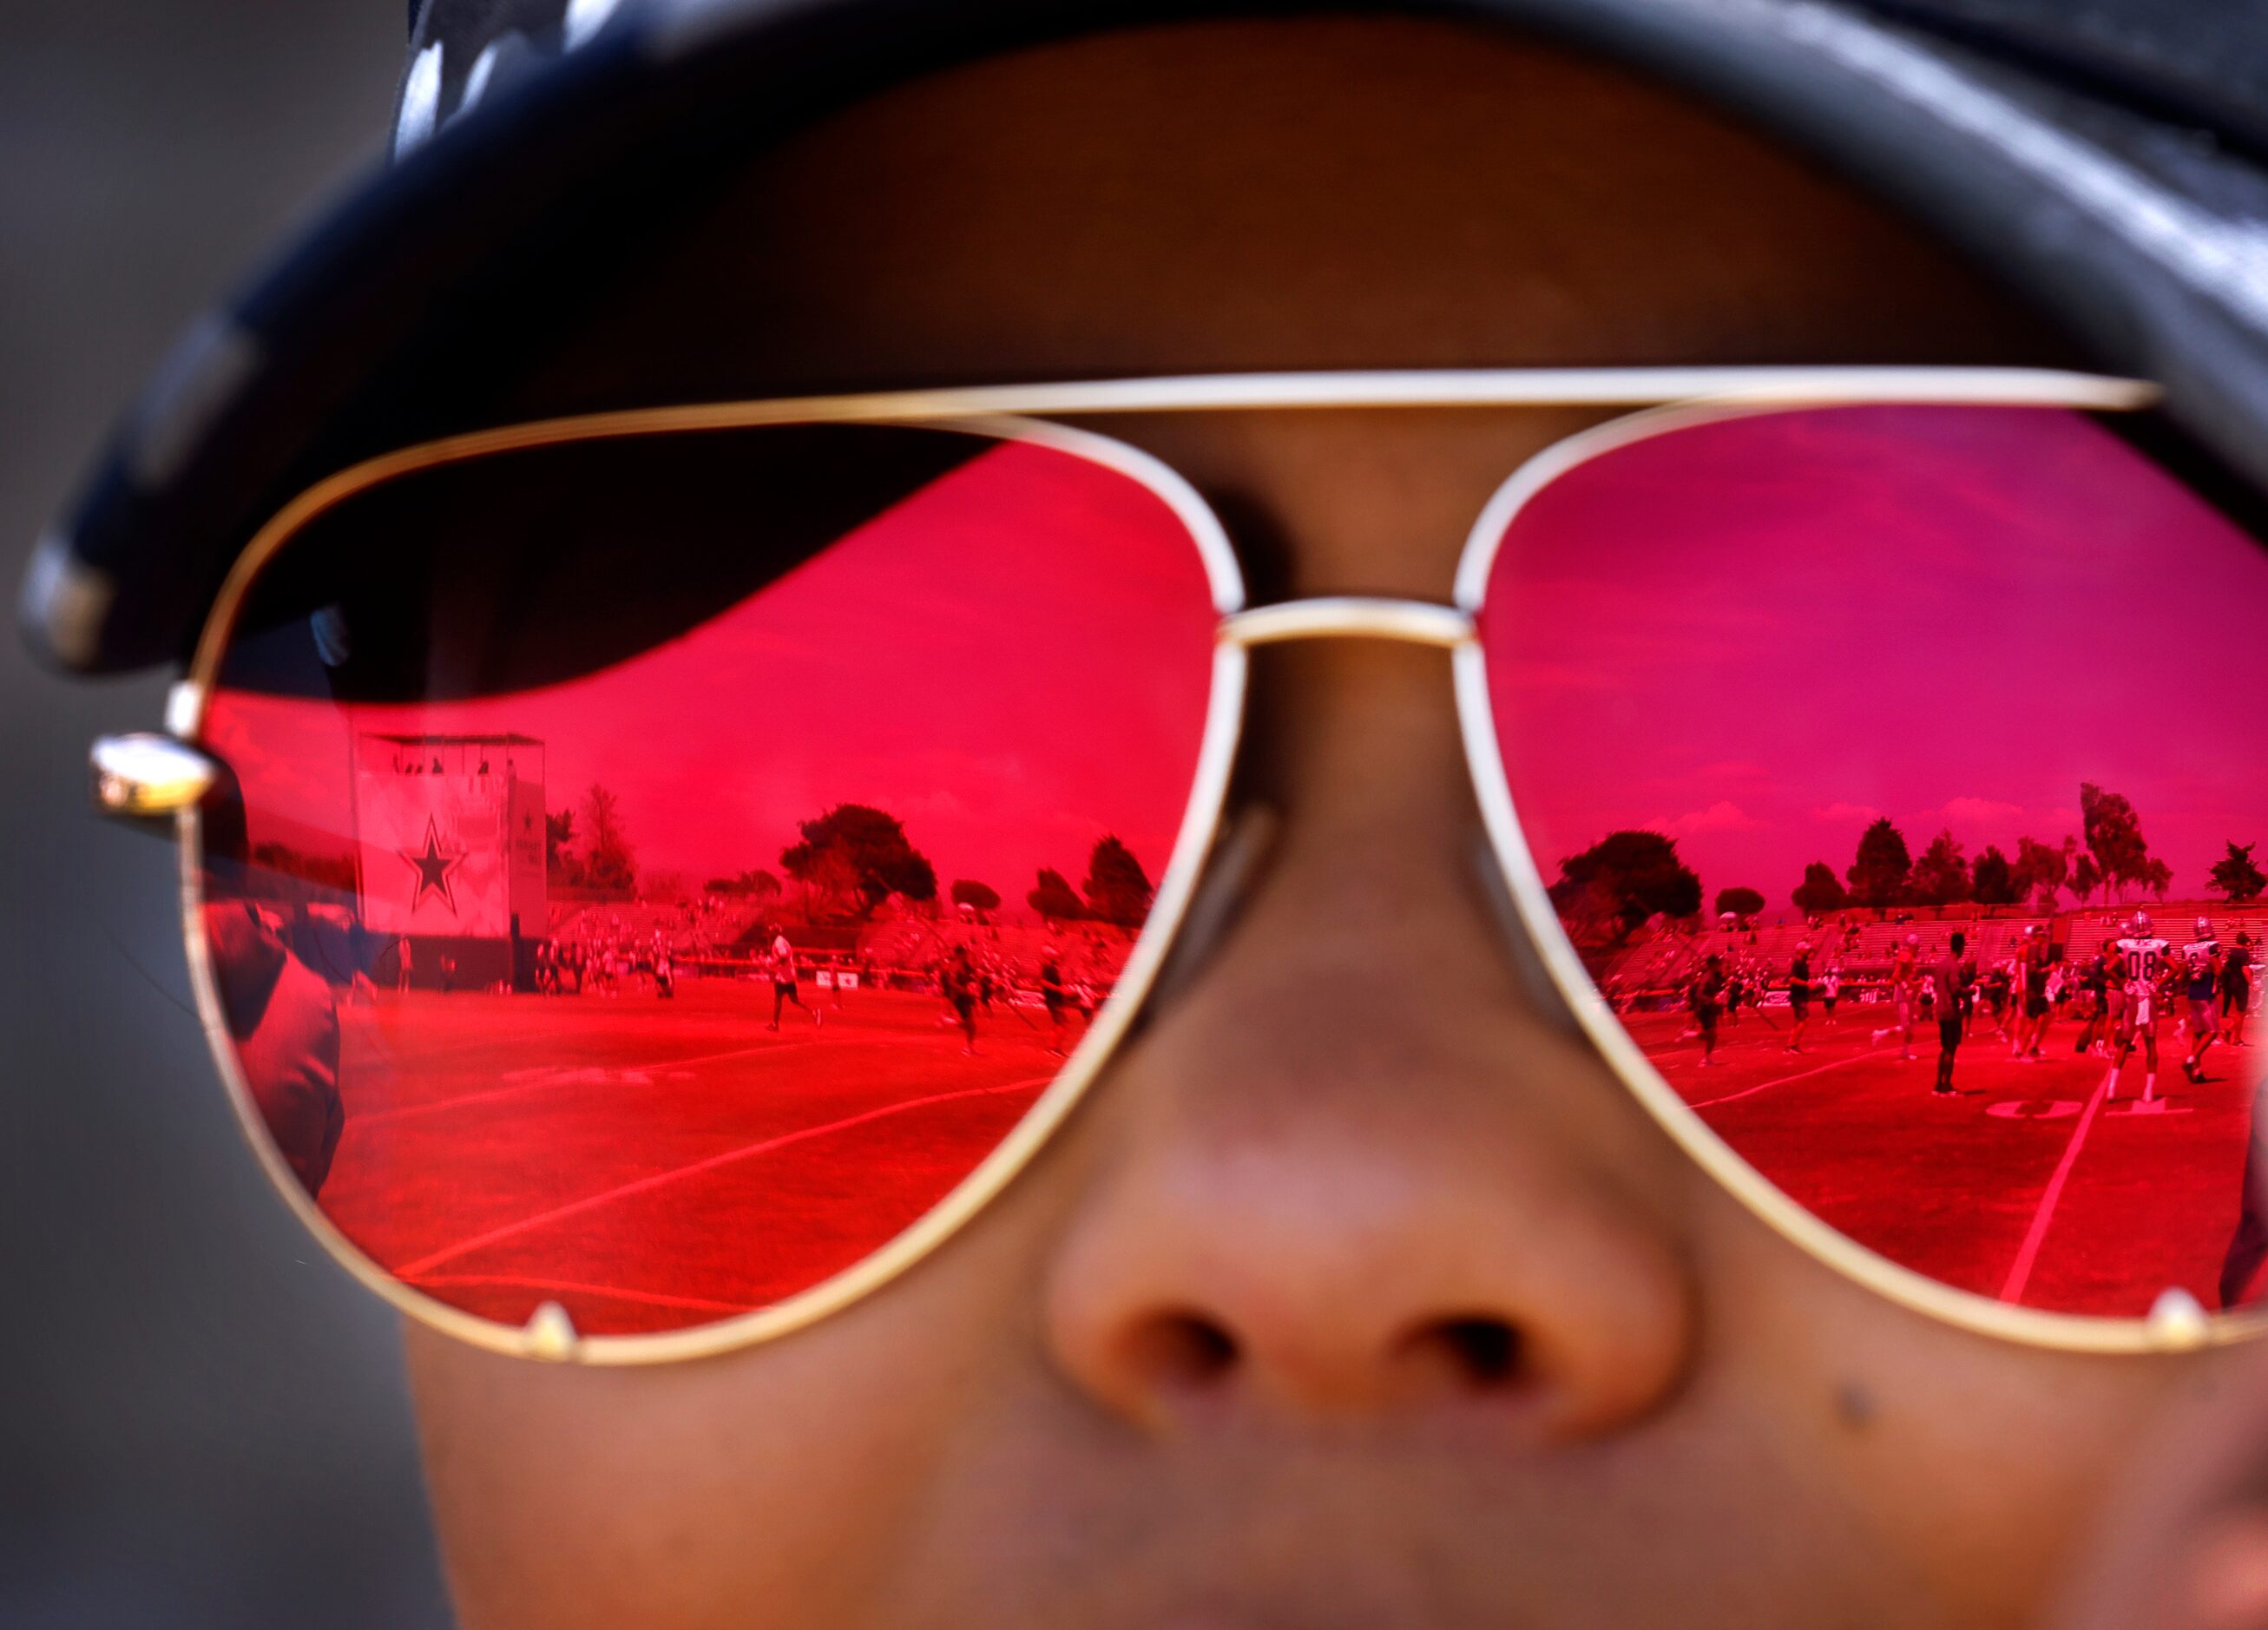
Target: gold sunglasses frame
147,776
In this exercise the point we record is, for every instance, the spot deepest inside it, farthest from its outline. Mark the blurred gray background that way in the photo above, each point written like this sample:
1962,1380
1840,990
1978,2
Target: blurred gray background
201,1422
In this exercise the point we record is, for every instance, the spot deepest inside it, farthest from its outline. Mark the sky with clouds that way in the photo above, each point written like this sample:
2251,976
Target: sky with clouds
1014,661
1759,635
1755,636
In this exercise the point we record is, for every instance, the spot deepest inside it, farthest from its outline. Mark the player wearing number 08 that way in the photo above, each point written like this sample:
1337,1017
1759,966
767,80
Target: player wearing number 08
2141,962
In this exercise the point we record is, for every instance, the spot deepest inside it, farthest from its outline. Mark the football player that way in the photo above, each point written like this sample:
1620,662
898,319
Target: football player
1905,975
2141,966
2200,962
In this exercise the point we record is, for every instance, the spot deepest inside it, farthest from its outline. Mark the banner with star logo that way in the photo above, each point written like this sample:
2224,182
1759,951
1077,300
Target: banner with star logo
451,831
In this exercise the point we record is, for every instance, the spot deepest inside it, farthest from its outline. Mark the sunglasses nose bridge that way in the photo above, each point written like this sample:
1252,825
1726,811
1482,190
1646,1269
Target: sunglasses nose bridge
1412,621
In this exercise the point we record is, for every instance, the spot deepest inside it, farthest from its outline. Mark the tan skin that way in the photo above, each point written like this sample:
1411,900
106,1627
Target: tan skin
1359,1293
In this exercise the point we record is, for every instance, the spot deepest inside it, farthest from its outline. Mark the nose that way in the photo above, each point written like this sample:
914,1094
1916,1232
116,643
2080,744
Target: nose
1352,1174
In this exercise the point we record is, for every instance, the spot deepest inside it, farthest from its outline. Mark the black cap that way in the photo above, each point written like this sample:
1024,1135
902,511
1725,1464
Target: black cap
2104,157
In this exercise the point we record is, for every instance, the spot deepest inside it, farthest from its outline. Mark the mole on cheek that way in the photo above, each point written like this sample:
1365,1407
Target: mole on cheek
1854,1405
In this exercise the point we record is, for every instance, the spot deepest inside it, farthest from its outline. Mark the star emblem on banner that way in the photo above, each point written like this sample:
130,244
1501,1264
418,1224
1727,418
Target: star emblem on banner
432,867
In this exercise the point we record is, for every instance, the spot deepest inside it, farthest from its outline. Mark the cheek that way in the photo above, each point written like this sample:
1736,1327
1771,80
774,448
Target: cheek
1974,1463
787,1475
578,1497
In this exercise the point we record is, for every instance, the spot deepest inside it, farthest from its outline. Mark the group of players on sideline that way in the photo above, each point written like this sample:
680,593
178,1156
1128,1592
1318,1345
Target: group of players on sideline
2118,995
969,976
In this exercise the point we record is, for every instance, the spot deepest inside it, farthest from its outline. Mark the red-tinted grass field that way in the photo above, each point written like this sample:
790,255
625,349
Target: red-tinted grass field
651,1164
2028,1186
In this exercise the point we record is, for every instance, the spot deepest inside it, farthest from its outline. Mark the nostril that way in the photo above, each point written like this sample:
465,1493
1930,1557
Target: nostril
1185,1351
1478,1355
1488,1349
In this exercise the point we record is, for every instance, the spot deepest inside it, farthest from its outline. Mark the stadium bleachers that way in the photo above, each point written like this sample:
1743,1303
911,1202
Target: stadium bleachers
2089,929
718,929
725,932
703,928
1662,960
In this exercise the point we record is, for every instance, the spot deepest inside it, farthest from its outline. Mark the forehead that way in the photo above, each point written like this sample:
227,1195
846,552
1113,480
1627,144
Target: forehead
1316,193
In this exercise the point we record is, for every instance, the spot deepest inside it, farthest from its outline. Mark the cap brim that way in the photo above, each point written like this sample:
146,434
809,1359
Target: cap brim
393,318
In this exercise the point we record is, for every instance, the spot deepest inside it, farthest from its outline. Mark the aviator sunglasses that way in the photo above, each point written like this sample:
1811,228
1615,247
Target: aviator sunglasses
650,877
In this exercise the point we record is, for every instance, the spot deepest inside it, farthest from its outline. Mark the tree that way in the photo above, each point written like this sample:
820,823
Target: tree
856,857
2114,833
830,885
1739,901
2236,876
609,860
2157,877
1993,880
1118,891
2084,879
1941,877
1821,891
976,897
2042,869
1622,880
1881,870
1054,899
561,864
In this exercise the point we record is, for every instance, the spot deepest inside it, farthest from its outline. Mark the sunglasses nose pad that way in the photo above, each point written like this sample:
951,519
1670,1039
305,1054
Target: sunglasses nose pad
1519,942
1232,871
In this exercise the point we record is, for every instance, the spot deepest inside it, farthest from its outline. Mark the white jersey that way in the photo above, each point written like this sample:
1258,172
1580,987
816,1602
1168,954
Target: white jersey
2200,962
2144,960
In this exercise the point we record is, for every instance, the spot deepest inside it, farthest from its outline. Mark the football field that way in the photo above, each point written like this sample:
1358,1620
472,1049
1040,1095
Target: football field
652,1164
2029,1185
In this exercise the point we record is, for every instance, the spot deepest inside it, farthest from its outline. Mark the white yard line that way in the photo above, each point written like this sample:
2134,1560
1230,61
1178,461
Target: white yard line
575,1079
2020,1269
1782,1080
606,1196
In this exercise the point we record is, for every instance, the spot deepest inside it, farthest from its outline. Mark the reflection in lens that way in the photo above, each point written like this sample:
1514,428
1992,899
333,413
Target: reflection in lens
1891,768
664,974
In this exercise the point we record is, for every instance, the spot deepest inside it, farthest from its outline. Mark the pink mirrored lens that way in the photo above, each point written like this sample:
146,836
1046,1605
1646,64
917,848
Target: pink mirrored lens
673,988
1788,701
